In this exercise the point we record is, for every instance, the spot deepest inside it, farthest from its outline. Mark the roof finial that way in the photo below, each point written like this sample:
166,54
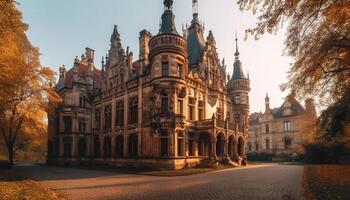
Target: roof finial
168,4
237,52
195,7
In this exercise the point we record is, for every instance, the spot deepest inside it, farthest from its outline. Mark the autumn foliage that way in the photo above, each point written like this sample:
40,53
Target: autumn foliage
26,86
318,38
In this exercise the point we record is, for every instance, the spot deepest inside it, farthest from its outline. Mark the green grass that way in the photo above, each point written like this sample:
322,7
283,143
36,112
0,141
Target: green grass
14,186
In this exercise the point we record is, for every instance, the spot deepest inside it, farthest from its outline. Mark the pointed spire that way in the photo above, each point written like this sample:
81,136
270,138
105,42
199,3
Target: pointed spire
115,34
237,52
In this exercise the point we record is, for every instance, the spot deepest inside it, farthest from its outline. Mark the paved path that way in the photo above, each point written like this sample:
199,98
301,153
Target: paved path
270,181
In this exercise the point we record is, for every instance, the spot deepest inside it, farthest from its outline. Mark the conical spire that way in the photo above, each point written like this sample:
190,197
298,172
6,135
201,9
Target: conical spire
237,66
237,52
115,34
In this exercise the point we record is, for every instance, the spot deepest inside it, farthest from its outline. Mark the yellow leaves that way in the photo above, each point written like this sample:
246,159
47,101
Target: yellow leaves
26,86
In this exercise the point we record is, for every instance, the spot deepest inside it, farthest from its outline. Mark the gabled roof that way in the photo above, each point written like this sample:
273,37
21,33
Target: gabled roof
295,107
82,71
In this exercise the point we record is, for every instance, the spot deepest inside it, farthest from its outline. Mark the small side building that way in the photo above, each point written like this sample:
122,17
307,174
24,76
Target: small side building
282,131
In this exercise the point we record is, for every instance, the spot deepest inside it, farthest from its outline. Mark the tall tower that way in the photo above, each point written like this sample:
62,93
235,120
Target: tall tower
238,89
168,59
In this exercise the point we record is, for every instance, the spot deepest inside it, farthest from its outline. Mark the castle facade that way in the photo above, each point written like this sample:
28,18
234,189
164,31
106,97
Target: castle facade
173,107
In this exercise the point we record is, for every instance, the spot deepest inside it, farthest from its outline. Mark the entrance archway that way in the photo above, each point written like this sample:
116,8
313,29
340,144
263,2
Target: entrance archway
232,146
240,146
220,144
204,144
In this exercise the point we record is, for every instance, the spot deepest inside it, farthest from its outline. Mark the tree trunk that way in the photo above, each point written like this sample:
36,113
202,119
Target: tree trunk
10,154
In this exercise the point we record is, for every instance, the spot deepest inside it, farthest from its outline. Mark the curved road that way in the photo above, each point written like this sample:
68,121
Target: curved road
268,181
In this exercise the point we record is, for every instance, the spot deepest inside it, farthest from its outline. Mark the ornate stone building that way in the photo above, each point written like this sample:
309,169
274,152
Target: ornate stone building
175,106
282,131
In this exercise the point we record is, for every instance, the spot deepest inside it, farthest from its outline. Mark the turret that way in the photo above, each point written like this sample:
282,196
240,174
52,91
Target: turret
238,90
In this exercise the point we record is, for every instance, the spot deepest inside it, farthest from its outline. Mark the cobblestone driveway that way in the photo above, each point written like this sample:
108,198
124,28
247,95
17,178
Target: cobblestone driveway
270,181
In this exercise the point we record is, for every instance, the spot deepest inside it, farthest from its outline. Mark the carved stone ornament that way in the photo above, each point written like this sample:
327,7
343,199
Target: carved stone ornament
182,93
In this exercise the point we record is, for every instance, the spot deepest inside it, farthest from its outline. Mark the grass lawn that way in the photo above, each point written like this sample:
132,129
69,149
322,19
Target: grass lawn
14,186
327,181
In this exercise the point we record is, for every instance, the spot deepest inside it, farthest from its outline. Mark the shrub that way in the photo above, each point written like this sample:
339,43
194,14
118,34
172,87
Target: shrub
259,157
5,164
321,153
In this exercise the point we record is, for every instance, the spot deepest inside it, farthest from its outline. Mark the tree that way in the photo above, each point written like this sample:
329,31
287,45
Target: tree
334,122
26,86
318,38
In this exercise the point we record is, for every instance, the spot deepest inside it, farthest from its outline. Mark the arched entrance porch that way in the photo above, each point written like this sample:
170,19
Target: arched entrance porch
204,144
240,147
220,144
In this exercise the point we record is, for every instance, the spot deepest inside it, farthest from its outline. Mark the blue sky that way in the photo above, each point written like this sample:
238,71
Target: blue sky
63,28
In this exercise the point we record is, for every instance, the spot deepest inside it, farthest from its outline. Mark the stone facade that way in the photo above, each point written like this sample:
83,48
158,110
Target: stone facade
173,107
282,131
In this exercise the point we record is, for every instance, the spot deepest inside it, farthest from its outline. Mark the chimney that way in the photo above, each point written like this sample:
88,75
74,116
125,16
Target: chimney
89,55
144,39
62,72
310,105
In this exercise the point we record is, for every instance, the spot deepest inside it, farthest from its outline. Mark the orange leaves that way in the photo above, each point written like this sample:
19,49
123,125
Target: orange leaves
26,86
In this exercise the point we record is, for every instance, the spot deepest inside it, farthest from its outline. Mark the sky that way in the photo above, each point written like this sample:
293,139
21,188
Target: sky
62,29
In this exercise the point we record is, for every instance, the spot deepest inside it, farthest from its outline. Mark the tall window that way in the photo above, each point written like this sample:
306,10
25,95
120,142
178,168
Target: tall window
133,111
267,141
165,69
190,144
97,118
287,143
68,124
237,99
256,146
164,105
179,70
119,114
180,140
191,108
164,143
180,105
267,128
82,127
200,110
287,126
108,117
